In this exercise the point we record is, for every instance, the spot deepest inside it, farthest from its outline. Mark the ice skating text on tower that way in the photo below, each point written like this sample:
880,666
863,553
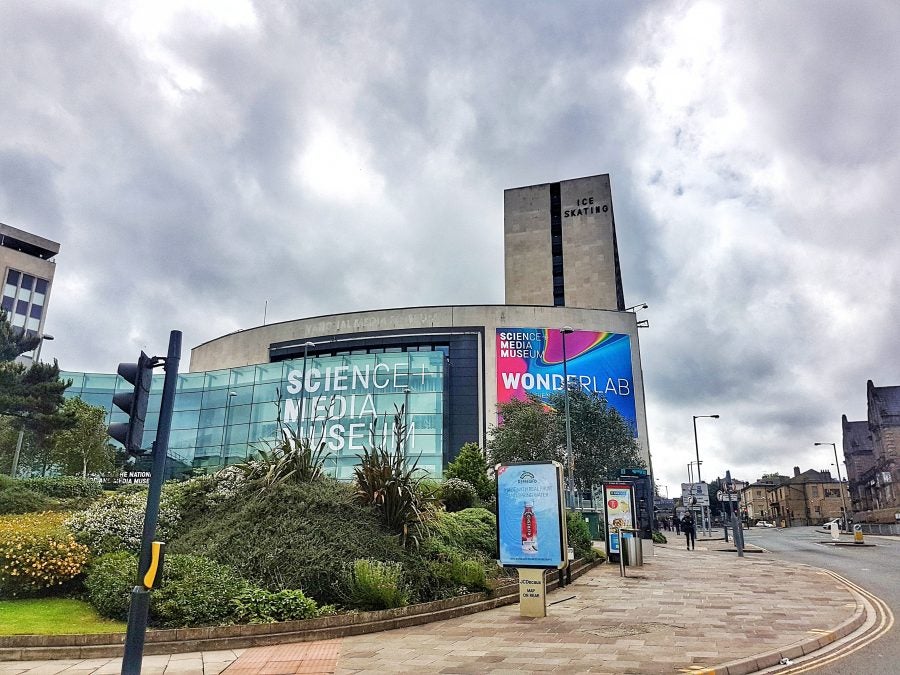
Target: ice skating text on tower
560,245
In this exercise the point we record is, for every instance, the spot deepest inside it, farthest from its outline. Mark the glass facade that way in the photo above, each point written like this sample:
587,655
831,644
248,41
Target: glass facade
222,416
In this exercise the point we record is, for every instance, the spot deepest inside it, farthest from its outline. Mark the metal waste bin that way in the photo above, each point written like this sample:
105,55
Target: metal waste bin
634,552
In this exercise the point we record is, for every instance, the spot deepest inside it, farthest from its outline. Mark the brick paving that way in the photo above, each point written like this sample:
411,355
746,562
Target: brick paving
682,611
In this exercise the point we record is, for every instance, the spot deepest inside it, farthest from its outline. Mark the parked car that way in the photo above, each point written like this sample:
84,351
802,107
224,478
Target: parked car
764,523
827,524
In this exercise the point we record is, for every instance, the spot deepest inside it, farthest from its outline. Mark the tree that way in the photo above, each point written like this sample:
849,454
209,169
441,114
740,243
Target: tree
14,341
84,447
602,441
471,466
32,395
529,433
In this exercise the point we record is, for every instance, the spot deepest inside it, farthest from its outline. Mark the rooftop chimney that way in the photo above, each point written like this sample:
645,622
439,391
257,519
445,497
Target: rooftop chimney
796,471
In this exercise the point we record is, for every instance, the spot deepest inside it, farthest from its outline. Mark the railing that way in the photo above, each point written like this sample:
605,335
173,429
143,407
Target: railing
880,528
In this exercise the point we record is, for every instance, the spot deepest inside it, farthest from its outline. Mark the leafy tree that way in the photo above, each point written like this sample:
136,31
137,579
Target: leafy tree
602,441
471,466
83,447
529,433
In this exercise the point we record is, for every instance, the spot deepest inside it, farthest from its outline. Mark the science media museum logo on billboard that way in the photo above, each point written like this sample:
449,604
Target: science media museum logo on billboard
530,361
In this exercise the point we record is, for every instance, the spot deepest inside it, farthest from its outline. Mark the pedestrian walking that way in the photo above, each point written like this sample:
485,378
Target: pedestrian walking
690,533
677,525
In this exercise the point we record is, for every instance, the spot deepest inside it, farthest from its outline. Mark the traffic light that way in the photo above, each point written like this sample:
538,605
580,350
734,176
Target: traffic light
134,403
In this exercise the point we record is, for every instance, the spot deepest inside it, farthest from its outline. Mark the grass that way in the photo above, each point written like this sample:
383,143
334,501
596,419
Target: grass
53,616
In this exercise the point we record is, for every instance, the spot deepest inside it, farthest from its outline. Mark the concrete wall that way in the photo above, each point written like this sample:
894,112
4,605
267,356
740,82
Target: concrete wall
251,346
588,244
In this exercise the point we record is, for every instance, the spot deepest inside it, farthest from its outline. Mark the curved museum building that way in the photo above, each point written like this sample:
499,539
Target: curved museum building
340,378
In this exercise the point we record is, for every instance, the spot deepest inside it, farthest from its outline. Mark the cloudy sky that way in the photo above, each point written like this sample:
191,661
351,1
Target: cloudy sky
197,159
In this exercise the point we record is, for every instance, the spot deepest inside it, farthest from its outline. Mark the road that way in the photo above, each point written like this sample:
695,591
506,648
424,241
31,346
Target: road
876,569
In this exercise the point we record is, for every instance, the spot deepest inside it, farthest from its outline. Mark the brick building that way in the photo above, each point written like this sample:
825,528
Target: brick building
807,498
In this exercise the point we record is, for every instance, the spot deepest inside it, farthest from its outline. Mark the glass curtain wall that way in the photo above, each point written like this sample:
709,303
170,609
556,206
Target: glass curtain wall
221,417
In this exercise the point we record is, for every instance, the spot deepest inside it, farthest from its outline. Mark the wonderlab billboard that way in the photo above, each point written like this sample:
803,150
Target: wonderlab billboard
530,361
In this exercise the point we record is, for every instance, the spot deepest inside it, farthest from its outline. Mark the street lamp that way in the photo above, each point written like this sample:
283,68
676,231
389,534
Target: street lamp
231,395
570,459
35,359
840,483
639,306
697,450
306,346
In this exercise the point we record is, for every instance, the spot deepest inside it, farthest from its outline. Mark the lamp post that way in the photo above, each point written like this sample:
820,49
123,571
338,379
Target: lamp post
570,459
36,359
697,451
837,465
231,395
306,346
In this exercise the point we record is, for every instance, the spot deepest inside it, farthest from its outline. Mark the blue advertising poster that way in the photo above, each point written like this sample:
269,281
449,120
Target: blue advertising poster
529,515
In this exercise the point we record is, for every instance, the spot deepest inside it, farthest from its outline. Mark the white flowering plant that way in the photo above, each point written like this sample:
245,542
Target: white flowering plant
116,523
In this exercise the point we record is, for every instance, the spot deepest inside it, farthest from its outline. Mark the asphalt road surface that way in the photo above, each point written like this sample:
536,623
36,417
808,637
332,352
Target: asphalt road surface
876,569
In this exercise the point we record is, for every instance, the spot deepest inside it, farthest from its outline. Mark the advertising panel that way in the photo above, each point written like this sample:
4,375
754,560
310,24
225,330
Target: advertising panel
530,361
530,513
619,504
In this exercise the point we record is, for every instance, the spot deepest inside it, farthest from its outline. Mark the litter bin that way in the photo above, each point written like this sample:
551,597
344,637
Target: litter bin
634,552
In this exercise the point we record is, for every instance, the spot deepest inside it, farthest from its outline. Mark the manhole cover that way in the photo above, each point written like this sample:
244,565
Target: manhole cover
617,630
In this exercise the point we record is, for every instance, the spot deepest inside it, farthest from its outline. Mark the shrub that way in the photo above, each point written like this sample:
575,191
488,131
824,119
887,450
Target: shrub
37,554
579,535
65,487
457,494
659,537
131,489
18,499
109,581
195,591
293,535
471,466
117,522
373,584
257,605
468,531
389,482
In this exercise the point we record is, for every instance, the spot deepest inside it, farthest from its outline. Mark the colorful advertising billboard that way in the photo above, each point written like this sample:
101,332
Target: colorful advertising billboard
619,505
530,361
529,515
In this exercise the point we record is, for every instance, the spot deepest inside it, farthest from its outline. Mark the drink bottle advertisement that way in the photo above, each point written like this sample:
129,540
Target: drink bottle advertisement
530,512
619,505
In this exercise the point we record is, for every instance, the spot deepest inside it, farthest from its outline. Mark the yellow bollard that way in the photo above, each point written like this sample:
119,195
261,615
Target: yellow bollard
857,534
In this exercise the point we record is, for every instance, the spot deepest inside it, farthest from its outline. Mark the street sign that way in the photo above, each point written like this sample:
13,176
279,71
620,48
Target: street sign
694,494
728,496
632,472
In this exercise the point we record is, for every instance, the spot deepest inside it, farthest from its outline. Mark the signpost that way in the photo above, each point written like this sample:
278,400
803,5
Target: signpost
531,531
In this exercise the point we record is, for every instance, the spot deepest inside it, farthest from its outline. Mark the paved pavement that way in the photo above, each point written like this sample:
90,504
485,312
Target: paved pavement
683,611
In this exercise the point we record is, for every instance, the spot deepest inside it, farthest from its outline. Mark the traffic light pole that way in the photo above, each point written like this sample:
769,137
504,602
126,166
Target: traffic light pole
140,595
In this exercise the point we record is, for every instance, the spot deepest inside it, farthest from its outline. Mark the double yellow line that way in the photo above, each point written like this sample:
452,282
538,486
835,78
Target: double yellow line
884,622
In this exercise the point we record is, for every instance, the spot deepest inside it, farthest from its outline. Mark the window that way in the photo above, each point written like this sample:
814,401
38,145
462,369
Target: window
815,490
24,297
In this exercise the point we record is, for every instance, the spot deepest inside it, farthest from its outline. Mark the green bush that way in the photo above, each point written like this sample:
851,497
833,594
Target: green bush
579,535
292,535
17,499
372,584
65,487
659,537
457,494
257,605
131,489
470,531
108,583
195,591
471,466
